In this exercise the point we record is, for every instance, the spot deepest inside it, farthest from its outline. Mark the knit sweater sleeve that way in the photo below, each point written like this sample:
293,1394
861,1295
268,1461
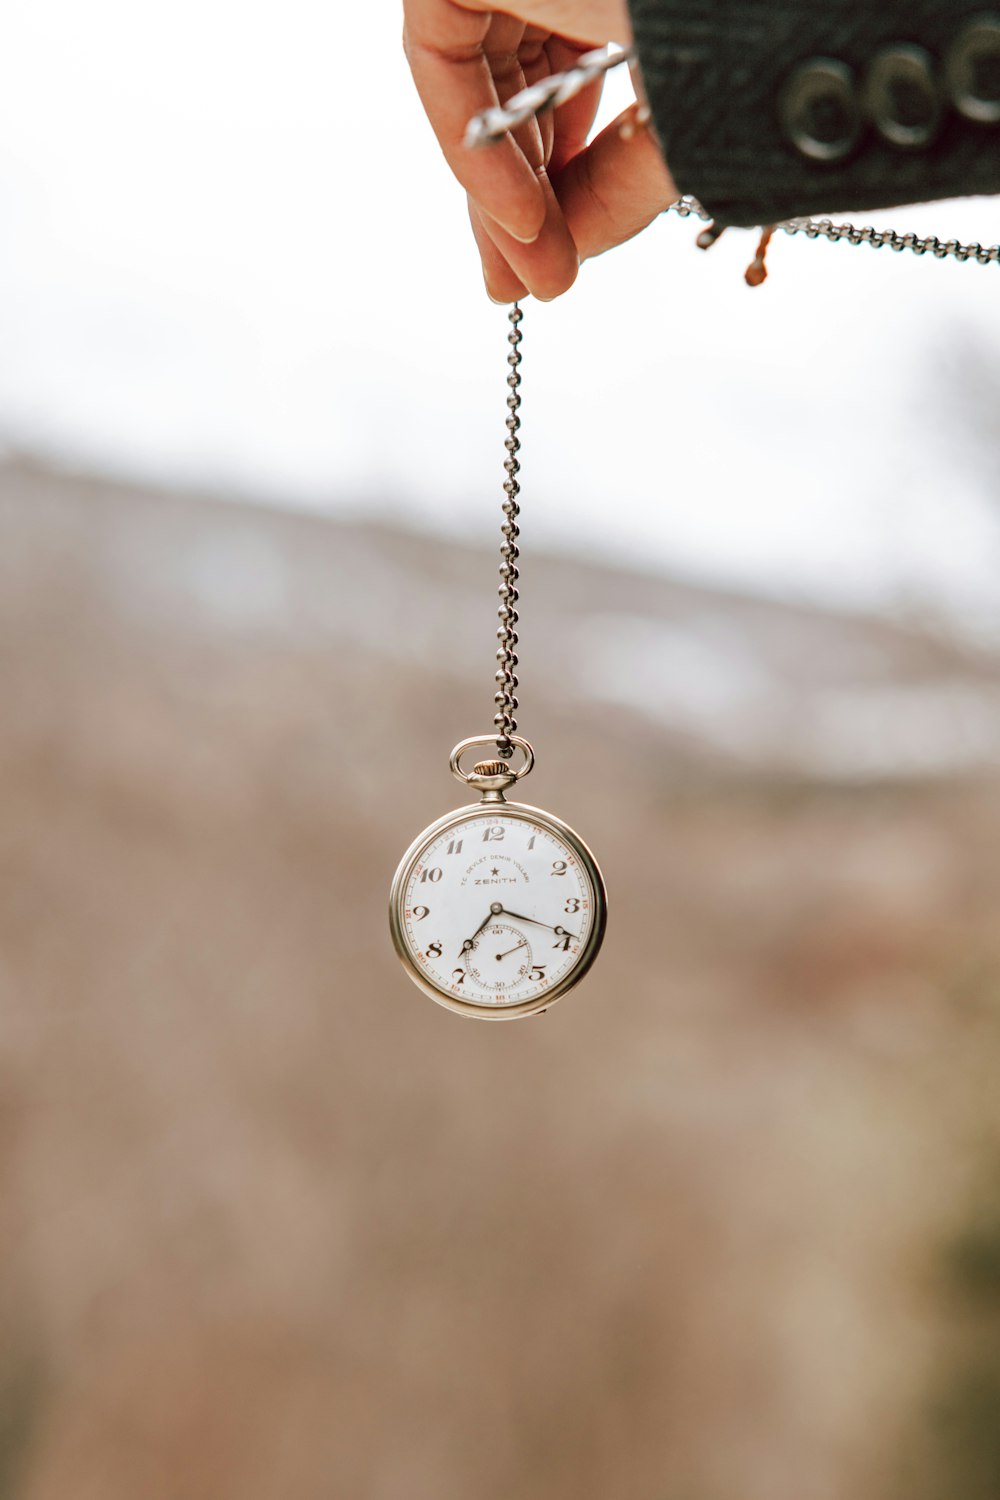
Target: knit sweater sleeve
766,109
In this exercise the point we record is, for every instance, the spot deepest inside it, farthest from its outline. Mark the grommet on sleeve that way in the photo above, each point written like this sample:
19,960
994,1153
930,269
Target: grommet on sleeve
972,70
902,98
819,110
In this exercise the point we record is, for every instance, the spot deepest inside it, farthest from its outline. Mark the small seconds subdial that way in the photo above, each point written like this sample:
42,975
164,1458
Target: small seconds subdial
499,958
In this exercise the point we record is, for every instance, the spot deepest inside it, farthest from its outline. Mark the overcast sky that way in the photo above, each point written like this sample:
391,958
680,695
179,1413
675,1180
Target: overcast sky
231,255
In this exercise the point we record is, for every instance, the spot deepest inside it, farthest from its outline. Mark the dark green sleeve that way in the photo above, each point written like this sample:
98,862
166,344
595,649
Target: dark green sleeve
767,109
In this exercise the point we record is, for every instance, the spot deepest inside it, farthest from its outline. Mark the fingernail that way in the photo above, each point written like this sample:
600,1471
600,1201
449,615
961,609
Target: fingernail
497,301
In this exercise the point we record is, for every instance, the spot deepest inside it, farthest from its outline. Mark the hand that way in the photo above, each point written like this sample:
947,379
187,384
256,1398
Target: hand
541,200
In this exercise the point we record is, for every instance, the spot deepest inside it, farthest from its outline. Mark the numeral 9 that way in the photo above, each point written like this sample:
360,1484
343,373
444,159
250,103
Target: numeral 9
420,912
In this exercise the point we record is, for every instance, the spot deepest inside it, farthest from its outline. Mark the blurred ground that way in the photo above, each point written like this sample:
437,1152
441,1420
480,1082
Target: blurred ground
721,1226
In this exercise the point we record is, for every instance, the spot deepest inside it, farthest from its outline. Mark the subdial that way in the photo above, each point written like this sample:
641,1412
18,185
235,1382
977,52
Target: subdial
499,958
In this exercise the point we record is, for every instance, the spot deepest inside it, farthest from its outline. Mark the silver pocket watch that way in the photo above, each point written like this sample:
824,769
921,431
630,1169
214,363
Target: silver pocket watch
498,909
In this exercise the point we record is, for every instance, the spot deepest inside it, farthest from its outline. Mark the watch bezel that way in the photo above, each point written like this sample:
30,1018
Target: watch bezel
522,812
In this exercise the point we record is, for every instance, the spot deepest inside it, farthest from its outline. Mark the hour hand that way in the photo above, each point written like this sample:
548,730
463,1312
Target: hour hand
470,942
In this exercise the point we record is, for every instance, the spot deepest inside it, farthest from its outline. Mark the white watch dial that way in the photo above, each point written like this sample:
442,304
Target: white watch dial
497,910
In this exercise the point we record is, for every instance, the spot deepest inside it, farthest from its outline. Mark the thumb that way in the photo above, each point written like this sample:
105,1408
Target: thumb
614,187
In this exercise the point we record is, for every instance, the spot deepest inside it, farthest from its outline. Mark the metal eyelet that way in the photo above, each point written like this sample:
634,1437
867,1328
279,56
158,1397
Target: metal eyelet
973,56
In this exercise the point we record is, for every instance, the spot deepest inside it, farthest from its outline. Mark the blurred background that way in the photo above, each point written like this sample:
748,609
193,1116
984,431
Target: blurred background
726,1224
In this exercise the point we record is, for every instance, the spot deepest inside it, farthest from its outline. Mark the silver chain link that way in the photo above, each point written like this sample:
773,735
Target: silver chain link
491,125
506,677
826,229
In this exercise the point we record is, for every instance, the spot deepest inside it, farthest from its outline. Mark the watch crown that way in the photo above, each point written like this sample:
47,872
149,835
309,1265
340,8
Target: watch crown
491,768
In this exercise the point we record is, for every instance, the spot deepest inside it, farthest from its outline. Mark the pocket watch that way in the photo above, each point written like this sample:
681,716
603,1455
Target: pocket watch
498,909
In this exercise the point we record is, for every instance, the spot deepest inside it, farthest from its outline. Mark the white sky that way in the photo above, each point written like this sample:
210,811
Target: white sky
231,255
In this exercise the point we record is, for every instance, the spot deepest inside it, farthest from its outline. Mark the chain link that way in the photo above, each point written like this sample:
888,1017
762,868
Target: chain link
506,677
491,125
826,229
877,238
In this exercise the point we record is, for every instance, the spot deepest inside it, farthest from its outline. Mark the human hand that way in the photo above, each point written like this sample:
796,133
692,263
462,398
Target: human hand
542,200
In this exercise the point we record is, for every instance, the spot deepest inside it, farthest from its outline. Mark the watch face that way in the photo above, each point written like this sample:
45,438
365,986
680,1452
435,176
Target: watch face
497,910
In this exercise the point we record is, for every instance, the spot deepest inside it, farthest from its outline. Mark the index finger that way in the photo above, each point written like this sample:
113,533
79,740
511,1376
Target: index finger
446,47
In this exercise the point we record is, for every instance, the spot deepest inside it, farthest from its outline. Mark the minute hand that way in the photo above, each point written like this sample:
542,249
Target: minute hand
559,931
